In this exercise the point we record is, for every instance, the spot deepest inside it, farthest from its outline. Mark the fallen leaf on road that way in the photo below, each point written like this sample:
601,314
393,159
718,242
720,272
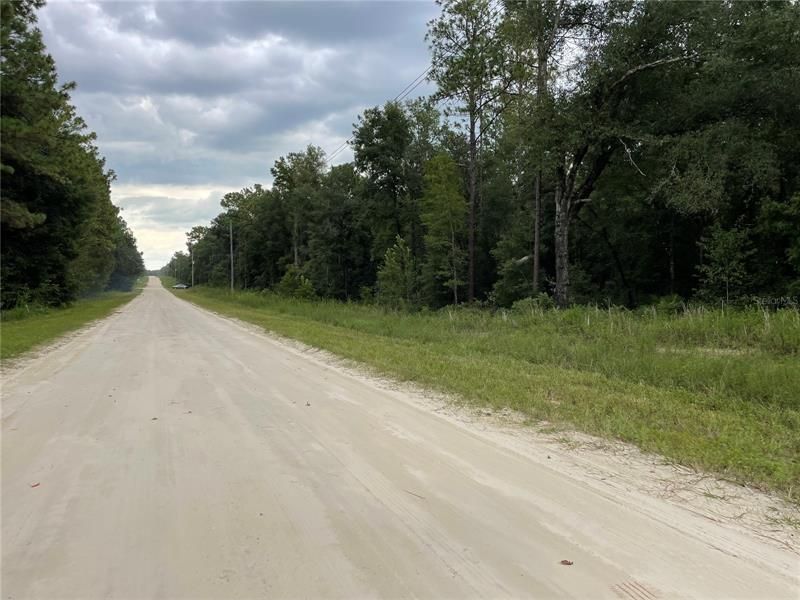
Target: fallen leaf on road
35,484
566,562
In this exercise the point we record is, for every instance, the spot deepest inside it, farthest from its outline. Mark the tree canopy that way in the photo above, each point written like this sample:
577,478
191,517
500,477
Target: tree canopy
609,152
61,235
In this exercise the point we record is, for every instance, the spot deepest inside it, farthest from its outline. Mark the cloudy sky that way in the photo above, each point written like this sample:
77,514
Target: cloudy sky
193,99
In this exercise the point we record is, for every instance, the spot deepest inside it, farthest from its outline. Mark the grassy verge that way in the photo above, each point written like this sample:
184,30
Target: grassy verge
22,329
714,390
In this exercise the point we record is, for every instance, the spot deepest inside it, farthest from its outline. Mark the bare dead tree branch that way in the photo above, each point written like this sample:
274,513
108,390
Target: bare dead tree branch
630,156
651,65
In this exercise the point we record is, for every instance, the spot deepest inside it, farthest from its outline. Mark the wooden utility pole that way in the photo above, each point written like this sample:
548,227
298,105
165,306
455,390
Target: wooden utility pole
230,226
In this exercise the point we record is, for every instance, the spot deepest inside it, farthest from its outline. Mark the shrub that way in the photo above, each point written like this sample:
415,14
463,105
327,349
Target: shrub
396,276
295,285
669,305
536,304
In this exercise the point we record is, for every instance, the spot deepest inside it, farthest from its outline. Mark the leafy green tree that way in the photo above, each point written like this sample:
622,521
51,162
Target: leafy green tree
297,179
179,267
444,216
380,143
778,248
295,285
430,135
269,245
629,146
96,251
397,277
724,269
59,228
339,238
128,262
466,58
535,35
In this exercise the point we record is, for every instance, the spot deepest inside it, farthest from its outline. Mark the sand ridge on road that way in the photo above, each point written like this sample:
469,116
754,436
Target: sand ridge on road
178,454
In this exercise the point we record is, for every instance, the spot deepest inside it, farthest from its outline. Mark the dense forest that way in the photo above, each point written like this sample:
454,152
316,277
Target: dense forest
619,152
62,238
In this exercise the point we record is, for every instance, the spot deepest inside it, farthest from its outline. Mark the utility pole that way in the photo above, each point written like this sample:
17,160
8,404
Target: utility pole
230,224
191,258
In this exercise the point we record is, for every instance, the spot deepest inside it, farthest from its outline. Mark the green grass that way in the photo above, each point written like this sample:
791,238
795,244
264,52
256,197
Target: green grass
23,329
717,391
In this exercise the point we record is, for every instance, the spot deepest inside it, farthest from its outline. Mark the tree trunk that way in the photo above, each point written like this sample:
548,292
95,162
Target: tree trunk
472,200
414,241
537,212
672,254
294,241
455,277
568,200
541,91
562,247
629,291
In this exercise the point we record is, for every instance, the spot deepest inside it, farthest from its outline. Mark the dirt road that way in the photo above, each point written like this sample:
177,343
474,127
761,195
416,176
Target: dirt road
170,453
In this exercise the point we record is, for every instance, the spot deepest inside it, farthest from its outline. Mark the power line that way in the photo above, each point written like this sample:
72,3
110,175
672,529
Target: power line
417,80
415,83
338,150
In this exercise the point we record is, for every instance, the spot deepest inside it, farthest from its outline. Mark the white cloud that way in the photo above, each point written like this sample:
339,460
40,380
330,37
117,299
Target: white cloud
160,215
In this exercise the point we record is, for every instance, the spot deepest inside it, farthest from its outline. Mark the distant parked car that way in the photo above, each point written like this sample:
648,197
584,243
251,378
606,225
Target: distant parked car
180,286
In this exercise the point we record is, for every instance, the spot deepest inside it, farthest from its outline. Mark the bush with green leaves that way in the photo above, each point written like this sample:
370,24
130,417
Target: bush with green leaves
536,304
295,285
669,305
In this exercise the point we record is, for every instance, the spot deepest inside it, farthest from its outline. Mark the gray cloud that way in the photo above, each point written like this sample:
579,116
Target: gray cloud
208,94
326,22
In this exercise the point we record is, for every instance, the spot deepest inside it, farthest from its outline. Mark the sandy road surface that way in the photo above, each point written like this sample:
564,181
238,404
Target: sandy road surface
179,455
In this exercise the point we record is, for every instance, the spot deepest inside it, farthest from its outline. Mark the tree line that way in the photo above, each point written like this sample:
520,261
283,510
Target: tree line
62,238
577,151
